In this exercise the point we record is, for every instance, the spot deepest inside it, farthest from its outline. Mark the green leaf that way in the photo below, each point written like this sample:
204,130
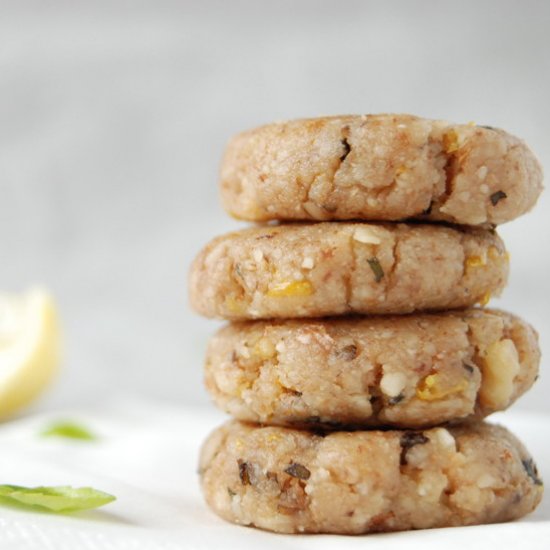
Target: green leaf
56,499
69,430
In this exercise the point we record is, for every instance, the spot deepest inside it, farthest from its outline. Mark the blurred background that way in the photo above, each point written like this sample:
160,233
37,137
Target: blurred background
114,115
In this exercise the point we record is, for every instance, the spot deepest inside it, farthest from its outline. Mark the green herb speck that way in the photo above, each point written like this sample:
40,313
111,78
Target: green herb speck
497,197
408,440
396,399
468,368
374,264
297,470
531,469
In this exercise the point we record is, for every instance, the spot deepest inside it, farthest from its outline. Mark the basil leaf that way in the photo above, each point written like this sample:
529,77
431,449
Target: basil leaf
56,499
69,430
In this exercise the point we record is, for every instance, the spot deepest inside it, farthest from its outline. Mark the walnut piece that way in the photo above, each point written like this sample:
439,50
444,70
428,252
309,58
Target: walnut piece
499,368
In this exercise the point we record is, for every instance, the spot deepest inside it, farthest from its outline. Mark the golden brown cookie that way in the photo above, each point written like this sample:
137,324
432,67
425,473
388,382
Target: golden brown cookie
379,167
408,371
294,481
320,269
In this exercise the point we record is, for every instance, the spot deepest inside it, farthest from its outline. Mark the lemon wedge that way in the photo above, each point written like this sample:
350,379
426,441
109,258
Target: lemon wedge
29,347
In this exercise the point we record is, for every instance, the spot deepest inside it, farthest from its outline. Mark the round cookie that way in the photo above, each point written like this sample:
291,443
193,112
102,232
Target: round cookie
379,167
320,269
408,371
294,481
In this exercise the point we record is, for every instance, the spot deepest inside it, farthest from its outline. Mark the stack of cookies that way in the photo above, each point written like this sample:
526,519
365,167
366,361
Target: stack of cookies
355,366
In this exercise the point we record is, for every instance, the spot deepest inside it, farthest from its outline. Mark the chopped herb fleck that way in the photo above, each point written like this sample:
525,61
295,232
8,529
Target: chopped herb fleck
429,209
486,127
469,368
244,472
238,272
347,149
69,430
397,399
409,440
497,197
374,264
347,353
230,492
267,236
297,470
532,472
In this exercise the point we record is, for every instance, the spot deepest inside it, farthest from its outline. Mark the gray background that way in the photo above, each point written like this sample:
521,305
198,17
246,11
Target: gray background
113,117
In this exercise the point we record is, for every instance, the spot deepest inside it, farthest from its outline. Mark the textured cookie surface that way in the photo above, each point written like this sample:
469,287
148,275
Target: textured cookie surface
379,167
407,371
291,481
320,269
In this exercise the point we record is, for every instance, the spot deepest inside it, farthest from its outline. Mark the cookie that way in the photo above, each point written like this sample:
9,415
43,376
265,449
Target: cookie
379,167
408,371
320,269
294,481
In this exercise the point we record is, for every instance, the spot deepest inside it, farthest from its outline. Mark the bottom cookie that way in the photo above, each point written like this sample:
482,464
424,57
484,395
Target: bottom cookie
294,481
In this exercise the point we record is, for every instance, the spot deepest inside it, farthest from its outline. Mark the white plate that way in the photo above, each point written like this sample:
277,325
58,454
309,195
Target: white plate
147,457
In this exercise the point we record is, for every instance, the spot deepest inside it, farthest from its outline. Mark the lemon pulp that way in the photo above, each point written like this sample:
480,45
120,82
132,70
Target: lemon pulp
29,347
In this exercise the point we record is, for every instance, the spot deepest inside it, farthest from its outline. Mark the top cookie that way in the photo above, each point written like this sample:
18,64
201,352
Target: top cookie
379,167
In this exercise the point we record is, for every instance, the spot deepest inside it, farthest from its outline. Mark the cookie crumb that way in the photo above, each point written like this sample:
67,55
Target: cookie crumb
364,235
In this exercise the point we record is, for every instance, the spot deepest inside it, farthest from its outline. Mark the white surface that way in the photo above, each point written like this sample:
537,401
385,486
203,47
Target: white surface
147,457
114,114
113,117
